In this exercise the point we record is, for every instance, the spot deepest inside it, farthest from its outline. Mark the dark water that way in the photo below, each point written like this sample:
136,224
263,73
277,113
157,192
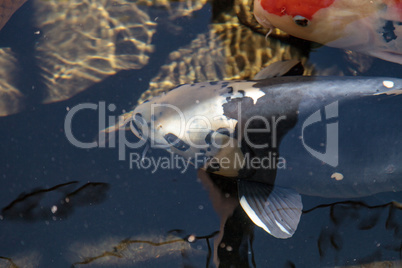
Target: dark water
101,198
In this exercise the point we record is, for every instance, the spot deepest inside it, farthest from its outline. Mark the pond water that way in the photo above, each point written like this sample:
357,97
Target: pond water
63,205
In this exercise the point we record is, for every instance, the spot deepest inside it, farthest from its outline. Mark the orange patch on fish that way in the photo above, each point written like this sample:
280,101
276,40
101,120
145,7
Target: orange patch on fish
295,7
372,27
397,5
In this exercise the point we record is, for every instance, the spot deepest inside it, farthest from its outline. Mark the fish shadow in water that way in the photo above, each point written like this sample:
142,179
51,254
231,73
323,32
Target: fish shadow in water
350,222
54,203
356,217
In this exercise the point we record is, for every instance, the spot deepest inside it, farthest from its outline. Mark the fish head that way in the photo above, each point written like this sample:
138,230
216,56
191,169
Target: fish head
304,19
337,23
189,121
200,121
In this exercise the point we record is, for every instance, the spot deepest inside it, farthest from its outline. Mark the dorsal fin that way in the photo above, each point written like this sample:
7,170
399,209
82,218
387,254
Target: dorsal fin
280,68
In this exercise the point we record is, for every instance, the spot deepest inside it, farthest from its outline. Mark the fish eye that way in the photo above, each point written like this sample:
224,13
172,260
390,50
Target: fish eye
136,124
301,21
176,142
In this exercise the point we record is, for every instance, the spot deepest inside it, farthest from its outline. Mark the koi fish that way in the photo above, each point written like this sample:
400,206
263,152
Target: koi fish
371,27
266,133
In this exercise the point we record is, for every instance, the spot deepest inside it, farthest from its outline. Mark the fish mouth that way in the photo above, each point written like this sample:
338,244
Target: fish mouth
261,18
264,22
136,131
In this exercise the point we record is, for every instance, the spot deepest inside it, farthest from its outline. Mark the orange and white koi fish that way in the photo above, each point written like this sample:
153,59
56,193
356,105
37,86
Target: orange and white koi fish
372,27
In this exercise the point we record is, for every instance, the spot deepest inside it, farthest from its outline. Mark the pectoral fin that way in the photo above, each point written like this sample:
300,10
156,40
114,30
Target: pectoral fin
275,209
